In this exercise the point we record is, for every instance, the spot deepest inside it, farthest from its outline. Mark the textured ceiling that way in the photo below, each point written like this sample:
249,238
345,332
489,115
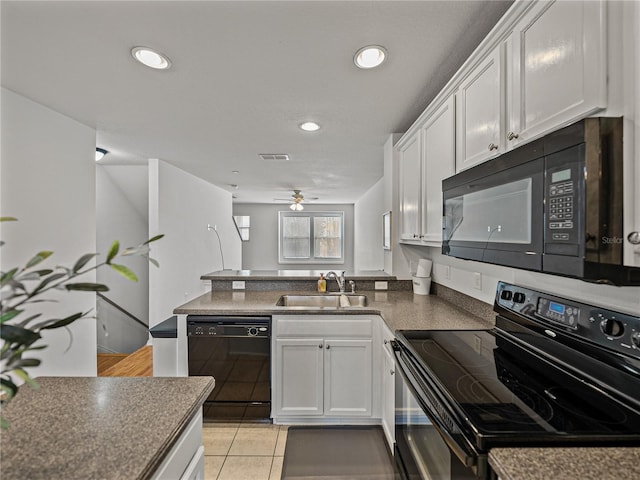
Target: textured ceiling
244,75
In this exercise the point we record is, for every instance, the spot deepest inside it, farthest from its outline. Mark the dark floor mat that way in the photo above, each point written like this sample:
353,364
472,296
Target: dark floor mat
337,453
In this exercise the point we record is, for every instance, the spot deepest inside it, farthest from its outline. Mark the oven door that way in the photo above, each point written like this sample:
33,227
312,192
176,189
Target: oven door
427,445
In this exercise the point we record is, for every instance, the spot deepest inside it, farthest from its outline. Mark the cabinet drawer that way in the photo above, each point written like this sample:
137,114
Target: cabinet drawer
323,326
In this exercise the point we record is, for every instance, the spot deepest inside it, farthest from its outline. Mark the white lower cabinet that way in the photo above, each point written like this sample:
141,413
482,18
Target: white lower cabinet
299,376
185,461
388,390
347,377
323,367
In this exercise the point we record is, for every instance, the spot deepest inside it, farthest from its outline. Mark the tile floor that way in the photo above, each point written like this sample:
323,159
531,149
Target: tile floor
243,451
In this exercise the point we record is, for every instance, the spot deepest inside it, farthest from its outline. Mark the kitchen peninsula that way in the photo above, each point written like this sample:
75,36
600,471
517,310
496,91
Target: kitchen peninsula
108,427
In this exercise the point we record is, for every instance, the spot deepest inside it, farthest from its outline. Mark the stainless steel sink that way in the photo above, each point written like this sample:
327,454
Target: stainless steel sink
323,301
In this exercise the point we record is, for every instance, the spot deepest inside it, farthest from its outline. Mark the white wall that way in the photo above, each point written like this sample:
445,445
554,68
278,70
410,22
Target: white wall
48,183
391,203
261,251
122,212
459,275
180,206
367,229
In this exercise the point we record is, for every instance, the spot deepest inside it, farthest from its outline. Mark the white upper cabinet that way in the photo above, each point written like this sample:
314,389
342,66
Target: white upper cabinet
479,105
409,174
438,163
556,68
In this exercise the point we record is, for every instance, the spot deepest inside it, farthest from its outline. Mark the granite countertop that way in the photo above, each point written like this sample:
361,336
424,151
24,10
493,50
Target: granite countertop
401,310
583,463
96,428
279,275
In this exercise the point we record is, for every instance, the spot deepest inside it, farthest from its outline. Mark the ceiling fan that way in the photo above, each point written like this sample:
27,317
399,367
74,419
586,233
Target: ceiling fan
296,200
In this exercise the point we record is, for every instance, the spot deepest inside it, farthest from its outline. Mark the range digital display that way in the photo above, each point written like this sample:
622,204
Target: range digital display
556,307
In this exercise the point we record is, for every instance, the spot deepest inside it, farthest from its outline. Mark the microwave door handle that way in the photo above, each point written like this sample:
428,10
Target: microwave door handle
465,453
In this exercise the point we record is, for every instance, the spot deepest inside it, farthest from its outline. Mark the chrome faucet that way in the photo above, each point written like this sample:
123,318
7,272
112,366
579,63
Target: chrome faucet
340,280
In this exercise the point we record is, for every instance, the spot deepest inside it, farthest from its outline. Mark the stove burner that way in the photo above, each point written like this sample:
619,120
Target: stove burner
487,392
565,400
431,351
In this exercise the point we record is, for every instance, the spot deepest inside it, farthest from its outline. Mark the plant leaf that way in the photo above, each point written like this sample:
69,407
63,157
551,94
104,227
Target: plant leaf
9,314
27,362
113,251
8,219
87,287
82,261
6,276
153,239
23,323
39,257
44,272
154,261
14,334
51,324
124,271
48,280
27,379
9,387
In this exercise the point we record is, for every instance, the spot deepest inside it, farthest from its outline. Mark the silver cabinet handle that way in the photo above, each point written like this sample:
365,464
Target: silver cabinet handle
493,146
512,136
320,346
634,238
328,347
392,372
386,341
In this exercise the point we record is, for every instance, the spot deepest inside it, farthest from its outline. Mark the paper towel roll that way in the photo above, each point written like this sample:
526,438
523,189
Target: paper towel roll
424,268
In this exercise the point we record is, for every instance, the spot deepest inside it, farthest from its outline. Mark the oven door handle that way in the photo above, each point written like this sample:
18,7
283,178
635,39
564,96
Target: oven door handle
465,453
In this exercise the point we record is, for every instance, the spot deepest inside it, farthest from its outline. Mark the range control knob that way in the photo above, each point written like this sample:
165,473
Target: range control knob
612,327
252,331
519,297
635,339
506,294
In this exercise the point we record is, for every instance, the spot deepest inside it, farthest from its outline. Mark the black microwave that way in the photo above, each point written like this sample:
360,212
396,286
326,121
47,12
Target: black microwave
554,205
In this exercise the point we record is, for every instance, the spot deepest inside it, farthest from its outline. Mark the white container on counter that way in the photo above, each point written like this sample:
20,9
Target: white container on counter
421,285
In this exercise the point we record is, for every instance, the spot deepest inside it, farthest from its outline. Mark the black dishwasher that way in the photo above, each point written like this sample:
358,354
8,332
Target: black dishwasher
236,352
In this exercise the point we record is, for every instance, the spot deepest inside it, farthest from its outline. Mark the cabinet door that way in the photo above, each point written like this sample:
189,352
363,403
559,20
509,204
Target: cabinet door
348,371
438,140
409,174
557,71
388,396
478,113
298,383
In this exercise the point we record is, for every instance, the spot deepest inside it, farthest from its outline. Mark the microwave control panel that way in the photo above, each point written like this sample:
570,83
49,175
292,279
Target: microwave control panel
563,188
560,207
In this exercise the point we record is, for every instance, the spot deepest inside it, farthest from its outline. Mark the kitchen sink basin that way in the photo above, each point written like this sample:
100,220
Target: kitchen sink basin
322,301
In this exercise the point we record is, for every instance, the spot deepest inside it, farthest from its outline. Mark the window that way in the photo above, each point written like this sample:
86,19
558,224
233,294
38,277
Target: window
311,237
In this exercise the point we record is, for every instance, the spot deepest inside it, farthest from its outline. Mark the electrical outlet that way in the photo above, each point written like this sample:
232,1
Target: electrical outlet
237,285
447,272
381,285
477,343
477,280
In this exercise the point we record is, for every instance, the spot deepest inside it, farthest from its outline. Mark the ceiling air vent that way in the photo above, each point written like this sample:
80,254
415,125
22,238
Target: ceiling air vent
273,156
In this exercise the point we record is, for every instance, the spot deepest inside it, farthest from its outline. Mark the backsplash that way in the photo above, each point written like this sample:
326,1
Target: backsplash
306,285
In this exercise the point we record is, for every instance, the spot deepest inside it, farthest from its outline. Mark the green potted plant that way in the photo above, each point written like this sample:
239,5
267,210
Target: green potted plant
23,286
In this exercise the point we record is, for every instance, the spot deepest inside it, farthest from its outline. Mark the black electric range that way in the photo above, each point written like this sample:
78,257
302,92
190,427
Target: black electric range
552,372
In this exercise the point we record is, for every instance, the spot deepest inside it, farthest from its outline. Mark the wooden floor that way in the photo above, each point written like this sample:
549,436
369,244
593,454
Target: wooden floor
137,364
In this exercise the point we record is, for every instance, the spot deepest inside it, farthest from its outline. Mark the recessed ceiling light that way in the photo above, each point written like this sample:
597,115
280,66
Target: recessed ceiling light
151,58
309,126
100,152
370,56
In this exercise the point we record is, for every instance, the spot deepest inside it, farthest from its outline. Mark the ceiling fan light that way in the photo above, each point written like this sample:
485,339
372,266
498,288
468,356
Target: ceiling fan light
296,207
